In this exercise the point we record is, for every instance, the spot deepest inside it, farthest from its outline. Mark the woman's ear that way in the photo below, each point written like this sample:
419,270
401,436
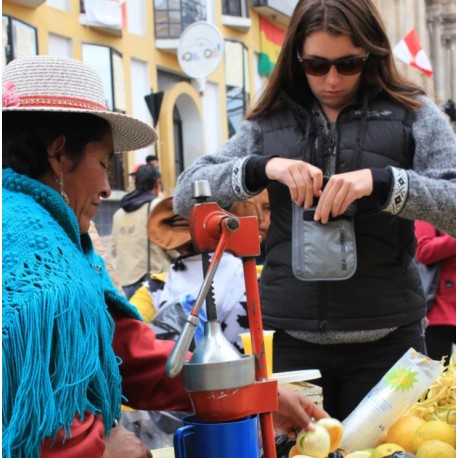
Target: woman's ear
56,155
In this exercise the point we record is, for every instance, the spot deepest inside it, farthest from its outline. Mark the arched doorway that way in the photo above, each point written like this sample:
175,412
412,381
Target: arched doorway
180,132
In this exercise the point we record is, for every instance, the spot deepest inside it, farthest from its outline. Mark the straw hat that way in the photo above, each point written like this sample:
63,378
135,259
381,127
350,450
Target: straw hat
47,83
166,228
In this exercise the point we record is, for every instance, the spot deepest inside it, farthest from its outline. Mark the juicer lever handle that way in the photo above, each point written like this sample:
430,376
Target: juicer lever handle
177,357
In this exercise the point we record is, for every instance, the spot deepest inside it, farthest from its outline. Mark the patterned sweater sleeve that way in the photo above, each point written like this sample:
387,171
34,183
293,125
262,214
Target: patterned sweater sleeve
225,170
428,191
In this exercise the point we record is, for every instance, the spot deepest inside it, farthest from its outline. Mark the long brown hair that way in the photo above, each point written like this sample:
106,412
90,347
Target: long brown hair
361,22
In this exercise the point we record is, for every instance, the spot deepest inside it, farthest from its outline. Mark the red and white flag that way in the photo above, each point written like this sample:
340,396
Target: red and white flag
409,51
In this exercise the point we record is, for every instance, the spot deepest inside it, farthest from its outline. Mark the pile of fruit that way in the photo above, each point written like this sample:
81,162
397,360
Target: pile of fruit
409,437
428,430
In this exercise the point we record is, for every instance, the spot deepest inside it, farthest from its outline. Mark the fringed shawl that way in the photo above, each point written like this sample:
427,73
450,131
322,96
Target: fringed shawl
58,361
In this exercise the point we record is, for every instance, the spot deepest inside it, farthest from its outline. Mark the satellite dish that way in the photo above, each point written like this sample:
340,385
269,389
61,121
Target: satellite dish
200,49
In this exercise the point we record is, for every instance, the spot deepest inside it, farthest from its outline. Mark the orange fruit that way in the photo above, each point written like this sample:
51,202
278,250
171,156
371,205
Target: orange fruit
434,430
435,449
335,429
402,431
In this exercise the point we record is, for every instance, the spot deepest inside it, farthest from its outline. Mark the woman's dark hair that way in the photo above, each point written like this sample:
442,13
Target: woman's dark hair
27,135
361,22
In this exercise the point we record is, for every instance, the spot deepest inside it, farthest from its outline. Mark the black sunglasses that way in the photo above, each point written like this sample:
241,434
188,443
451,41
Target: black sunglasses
317,66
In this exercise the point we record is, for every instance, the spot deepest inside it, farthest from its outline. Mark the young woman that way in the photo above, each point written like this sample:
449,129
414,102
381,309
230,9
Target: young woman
338,129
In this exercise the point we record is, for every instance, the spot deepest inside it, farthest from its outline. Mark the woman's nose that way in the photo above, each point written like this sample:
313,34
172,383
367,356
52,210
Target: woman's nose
106,189
333,75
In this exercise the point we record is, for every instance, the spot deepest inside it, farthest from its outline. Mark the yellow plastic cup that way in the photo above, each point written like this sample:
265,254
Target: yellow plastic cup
268,347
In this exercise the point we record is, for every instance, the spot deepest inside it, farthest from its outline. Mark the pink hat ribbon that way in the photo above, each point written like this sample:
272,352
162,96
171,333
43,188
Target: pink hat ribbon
9,96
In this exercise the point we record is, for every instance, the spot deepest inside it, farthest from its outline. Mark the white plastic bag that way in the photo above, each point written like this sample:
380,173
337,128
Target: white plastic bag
391,398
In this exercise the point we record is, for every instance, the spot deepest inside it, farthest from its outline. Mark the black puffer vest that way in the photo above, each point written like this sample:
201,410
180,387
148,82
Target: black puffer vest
385,290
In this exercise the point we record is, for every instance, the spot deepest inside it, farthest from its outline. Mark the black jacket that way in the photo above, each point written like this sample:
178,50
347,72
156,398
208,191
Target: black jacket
385,290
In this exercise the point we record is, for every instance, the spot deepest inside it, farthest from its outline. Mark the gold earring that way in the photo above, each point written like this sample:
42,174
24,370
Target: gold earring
60,183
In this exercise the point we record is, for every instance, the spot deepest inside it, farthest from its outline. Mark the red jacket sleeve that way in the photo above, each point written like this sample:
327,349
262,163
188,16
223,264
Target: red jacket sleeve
144,382
86,440
433,246
438,247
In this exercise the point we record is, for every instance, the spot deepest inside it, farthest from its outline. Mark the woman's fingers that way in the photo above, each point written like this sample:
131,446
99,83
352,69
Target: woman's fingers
332,200
304,180
340,191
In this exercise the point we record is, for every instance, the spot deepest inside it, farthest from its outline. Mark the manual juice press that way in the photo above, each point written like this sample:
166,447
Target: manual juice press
229,391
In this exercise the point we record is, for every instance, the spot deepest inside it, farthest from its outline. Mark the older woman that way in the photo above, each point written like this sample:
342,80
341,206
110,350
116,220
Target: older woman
73,347
64,324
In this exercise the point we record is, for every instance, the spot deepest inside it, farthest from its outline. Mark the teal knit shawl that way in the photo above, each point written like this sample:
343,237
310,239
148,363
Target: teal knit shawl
58,361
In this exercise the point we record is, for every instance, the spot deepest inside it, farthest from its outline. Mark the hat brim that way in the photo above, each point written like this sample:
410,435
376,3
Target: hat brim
162,232
169,238
128,133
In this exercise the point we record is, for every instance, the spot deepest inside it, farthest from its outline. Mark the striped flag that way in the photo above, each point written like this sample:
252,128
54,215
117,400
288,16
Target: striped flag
271,42
410,51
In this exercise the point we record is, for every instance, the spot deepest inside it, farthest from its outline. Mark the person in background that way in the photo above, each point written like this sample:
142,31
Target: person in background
72,345
134,257
131,185
434,246
258,206
152,160
450,110
339,136
99,248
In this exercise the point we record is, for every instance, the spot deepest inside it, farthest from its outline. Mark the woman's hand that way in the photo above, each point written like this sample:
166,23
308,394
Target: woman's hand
303,179
123,443
341,190
295,412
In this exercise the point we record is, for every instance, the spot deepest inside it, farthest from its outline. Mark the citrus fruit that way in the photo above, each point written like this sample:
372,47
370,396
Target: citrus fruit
387,449
359,454
403,430
435,449
315,443
335,430
294,452
434,430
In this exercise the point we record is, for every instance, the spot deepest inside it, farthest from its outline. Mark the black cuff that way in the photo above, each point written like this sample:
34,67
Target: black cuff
255,173
382,182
